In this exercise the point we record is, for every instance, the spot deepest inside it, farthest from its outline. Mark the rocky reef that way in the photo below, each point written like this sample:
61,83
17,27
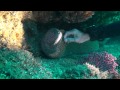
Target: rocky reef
26,35
58,16
11,28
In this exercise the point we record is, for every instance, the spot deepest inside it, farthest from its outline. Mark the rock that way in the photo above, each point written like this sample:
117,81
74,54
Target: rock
52,43
11,28
76,16
58,16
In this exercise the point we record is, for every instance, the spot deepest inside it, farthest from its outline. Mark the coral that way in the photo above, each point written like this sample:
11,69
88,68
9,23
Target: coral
103,60
118,61
76,72
66,16
21,64
11,28
95,71
52,44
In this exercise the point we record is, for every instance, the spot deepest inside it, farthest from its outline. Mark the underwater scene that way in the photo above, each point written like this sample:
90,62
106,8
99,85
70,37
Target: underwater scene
59,44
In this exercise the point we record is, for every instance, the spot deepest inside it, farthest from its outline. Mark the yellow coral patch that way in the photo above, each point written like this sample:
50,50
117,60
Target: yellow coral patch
11,28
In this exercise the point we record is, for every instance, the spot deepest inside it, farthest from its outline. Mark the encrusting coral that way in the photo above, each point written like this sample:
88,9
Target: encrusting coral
11,28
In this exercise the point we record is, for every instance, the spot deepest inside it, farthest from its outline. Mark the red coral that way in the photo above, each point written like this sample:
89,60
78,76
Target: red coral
103,60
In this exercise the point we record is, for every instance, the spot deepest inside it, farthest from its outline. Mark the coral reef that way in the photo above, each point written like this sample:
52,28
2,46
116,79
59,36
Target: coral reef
76,72
103,60
21,64
52,44
27,62
96,72
58,16
76,16
85,71
11,28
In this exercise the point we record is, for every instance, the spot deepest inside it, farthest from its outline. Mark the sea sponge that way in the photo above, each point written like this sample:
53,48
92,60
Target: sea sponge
11,28
52,43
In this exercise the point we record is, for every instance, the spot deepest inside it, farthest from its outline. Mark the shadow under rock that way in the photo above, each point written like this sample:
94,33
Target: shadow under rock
32,37
34,32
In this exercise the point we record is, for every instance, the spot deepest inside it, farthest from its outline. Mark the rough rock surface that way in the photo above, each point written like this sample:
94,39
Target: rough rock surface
11,28
66,16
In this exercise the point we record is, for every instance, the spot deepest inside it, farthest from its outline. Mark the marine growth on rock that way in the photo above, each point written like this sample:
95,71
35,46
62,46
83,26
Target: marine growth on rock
103,60
65,16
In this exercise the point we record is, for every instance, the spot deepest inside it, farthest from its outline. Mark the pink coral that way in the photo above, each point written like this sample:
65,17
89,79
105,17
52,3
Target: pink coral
103,60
